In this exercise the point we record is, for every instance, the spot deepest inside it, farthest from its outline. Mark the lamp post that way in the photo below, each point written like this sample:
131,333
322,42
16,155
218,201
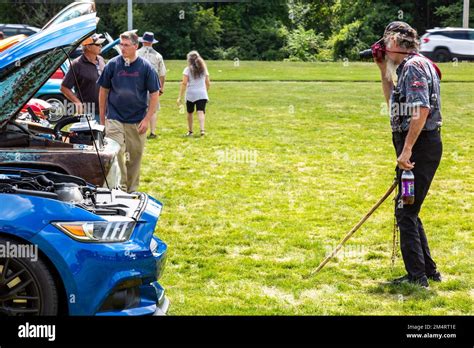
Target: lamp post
465,14
129,14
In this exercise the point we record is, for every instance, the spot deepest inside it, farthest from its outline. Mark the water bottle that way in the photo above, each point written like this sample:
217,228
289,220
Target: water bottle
408,187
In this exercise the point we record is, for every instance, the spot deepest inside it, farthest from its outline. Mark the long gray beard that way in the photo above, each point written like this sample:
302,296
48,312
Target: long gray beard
390,73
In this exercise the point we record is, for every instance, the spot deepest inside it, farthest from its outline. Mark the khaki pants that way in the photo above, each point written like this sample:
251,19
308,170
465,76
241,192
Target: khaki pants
131,151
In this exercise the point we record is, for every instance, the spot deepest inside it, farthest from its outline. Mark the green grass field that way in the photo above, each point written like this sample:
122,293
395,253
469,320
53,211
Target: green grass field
296,71
287,168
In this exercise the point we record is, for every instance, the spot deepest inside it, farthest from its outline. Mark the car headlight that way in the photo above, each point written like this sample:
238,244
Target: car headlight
97,231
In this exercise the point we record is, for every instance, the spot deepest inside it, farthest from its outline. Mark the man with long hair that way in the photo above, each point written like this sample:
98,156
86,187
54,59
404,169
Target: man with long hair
415,118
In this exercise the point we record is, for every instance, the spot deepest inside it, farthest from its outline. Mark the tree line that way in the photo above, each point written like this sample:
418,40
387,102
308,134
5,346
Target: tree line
300,30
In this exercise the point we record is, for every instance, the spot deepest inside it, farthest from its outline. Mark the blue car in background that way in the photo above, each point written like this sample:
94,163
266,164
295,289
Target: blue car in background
67,246
51,92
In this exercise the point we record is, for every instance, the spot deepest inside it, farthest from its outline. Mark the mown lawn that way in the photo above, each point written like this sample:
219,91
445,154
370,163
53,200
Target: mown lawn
296,71
287,168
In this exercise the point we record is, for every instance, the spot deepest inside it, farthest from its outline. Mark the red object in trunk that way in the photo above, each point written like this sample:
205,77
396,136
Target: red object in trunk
58,74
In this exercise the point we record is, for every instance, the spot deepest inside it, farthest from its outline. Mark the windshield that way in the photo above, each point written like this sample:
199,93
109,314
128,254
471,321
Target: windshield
75,10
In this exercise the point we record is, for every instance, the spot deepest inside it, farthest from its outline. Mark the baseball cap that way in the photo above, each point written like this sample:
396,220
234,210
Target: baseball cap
93,39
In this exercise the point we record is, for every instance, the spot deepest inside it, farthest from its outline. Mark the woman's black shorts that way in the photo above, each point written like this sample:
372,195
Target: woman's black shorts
199,105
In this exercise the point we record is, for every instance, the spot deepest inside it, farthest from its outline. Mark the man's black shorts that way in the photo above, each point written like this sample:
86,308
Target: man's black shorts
200,105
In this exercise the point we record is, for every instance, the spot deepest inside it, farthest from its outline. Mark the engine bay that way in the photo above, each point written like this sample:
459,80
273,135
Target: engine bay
28,131
72,190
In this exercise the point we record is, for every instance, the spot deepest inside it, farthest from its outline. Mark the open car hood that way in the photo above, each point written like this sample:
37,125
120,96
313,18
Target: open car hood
25,67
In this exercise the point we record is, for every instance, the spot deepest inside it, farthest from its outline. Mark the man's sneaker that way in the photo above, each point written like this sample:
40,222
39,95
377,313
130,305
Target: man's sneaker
203,133
436,277
422,281
152,136
189,134
404,279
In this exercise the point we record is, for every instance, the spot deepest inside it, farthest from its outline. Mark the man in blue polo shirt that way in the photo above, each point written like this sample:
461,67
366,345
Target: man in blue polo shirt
123,108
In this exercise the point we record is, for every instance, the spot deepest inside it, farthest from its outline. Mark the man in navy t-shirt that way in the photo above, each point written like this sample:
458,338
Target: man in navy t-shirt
124,86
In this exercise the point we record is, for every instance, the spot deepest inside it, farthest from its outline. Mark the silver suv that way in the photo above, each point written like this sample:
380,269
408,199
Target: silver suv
444,44
16,29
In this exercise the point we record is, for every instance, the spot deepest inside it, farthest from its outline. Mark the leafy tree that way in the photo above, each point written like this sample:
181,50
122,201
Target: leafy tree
206,32
451,15
303,45
257,29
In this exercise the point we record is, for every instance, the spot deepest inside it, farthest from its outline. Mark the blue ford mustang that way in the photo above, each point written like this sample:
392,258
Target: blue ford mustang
66,246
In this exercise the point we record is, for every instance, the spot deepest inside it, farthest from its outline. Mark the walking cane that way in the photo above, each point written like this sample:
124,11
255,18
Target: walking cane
355,228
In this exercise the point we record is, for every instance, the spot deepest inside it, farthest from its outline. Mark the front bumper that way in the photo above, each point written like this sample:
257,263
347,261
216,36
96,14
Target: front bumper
108,278
162,306
163,309
152,302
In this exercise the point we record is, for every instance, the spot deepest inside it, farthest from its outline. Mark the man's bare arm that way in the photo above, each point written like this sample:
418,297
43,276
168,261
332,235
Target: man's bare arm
72,97
387,84
162,84
154,99
103,93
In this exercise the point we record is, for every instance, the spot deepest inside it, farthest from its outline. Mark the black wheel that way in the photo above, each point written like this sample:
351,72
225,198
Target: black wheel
442,55
26,285
58,106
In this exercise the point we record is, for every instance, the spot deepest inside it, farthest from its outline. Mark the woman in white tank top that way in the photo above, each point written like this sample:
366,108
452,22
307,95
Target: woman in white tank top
195,83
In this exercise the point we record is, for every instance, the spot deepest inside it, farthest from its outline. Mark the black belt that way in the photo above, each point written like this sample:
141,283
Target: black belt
423,131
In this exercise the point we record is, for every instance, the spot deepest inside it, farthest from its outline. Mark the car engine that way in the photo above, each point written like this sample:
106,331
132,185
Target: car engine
72,190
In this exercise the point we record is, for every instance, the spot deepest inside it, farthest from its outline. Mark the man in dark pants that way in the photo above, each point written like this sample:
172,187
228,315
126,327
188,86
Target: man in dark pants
415,119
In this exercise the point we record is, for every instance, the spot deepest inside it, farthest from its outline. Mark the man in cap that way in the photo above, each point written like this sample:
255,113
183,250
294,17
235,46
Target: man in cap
156,60
86,69
125,86
415,118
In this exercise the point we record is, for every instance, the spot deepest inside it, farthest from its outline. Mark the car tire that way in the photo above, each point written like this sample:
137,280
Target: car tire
34,289
442,55
58,110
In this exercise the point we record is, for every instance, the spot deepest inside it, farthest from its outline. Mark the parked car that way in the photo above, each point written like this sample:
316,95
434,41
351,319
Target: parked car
444,44
24,68
77,248
51,93
10,41
16,29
